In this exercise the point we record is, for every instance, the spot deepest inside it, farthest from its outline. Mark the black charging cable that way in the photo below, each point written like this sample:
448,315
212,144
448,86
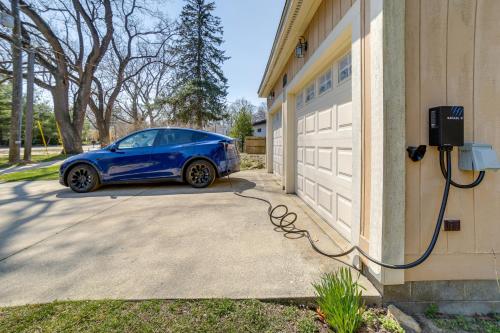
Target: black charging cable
285,222
444,171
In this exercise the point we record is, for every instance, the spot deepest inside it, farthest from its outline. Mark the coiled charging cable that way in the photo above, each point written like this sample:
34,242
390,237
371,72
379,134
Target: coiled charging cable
285,221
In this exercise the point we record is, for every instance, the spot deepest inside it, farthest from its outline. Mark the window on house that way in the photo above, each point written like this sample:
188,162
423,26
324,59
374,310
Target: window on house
325,82
299,100
259,130
310,92
345,69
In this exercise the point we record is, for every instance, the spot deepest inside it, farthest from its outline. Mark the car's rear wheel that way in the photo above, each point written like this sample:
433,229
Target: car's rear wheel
83,178
200,173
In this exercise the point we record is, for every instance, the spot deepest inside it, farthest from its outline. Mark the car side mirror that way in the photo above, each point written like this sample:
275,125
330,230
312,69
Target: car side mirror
113,147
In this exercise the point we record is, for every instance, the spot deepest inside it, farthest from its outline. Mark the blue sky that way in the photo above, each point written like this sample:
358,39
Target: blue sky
249,29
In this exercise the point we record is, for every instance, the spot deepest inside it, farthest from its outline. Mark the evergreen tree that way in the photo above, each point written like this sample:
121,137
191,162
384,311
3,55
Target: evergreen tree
200,88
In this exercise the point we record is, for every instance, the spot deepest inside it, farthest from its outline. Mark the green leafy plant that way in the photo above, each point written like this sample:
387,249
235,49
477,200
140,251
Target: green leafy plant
377,320
390,325
339,299
432,311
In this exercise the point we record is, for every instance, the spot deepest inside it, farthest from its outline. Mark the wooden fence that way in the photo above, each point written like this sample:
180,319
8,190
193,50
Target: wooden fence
255,145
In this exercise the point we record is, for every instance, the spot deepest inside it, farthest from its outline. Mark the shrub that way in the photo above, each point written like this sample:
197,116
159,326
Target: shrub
432,311
339,299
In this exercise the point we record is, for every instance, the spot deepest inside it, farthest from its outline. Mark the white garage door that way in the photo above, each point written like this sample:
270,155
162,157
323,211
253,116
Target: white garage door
324,152
278,144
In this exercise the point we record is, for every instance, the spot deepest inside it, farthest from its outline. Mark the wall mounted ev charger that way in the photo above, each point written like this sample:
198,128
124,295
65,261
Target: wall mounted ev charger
446,126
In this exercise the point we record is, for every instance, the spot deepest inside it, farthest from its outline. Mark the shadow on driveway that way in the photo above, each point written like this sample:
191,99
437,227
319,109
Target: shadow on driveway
161,188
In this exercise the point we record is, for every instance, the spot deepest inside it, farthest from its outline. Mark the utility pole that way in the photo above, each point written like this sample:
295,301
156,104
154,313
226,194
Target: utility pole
17,87
28,136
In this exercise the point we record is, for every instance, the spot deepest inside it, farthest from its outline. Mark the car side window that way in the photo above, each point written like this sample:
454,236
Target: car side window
139,140
164,138
180,137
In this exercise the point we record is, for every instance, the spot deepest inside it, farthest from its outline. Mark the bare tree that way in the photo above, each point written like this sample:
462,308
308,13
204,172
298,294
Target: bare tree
260,114
70,39
135,49
144,96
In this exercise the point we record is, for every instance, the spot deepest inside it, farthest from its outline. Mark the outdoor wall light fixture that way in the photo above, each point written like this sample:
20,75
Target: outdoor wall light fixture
301,47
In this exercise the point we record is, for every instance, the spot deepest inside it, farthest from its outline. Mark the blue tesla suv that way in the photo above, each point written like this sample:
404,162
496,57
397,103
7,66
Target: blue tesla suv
180,154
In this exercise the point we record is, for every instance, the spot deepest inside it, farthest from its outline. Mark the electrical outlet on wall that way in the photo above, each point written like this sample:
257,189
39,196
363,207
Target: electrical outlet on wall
451,225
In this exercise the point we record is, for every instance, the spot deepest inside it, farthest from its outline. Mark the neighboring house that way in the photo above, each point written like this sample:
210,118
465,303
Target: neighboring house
259,128
349,85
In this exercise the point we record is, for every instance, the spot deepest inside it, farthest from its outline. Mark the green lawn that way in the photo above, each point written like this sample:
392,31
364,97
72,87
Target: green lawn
4,160
214,315
48,173
159,316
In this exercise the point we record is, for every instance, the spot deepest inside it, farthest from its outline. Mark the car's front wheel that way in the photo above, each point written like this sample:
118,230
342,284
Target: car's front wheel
83,178
200,173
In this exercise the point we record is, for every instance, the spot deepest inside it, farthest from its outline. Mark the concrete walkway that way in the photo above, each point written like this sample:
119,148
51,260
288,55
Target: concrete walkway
154,241
40,150
31,166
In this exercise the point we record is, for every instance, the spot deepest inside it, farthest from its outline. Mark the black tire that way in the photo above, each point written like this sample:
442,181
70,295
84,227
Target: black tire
200,173
82,178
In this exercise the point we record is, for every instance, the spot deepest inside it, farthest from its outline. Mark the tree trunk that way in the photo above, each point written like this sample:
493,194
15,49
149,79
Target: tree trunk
104,134
17,88
101,123
71,136
28,136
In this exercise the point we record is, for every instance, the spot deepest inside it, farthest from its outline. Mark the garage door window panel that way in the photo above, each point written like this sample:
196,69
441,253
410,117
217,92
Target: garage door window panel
325,82
299,100
310,92
344,68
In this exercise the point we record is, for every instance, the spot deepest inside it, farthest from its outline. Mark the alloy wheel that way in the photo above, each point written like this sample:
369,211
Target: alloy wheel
81,179
199,174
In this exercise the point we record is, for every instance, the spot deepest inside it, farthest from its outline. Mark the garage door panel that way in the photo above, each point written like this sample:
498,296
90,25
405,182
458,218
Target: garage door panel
300,126
300,168
344,117
344,163
325,199
277,144
325,159
310,123
300,152
333,182
325,120
309,156
310,188
344,210
300,183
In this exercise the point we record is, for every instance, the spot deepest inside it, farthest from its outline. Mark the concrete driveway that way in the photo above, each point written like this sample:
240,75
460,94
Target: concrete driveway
154,241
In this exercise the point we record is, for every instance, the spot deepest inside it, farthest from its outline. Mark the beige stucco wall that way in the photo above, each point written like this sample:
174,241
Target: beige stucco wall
452,58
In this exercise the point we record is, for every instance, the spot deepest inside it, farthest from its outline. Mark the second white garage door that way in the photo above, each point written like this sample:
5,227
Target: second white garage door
277,144
324,149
